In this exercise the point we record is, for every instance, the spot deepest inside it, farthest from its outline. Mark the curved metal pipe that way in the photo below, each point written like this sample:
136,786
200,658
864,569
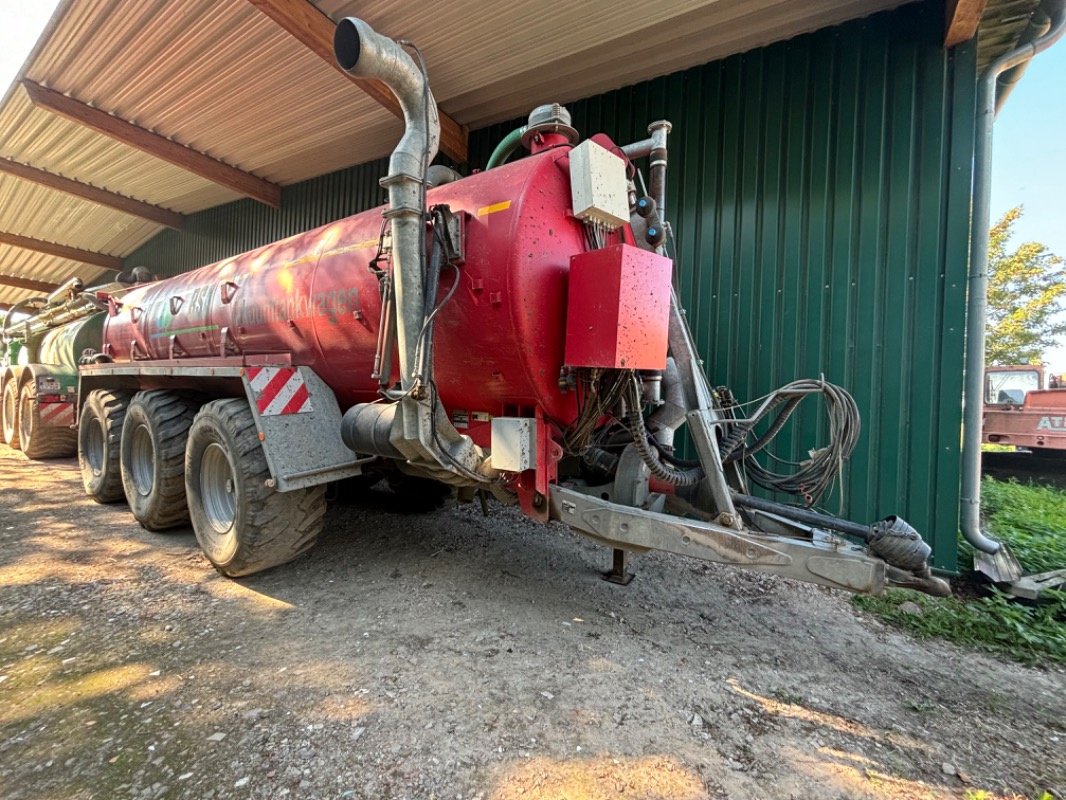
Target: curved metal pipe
977,296
665,421
364,53
1039,25
21,307
66,291
438,175
422,432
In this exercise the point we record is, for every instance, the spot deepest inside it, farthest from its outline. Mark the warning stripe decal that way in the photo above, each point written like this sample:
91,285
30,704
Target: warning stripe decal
279,391
56,415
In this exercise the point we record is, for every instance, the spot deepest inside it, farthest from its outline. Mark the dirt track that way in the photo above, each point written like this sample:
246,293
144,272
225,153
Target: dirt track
448,655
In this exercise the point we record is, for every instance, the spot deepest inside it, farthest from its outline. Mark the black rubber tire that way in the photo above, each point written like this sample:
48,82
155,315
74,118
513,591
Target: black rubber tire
154,435
41,441
9,414
225,463
99,442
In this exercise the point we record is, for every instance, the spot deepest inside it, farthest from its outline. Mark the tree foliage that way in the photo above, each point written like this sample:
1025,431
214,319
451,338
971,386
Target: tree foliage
1026,288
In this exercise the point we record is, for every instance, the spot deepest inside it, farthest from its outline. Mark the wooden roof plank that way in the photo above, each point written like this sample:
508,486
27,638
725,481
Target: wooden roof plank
314,30
153,144
16,282
62,251
963,17
93,194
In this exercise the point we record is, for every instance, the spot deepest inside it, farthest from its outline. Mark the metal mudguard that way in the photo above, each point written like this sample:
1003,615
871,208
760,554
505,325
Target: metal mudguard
299,425
296,413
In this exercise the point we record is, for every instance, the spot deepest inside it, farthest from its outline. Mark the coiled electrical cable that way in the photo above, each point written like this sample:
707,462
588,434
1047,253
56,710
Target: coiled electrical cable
812,477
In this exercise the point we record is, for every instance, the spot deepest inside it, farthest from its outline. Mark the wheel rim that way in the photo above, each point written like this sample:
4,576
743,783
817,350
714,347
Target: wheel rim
94,446
218,495
142,460
10,404
26,420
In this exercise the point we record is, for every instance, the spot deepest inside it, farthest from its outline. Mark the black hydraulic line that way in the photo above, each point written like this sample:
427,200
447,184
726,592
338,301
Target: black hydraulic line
424,348
668,456
634,420
736,450
807,517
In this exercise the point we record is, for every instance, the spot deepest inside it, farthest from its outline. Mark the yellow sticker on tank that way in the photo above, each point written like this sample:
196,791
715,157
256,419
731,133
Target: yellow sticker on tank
484,211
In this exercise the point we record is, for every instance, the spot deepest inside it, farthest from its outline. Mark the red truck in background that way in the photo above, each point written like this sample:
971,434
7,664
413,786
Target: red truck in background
1024,408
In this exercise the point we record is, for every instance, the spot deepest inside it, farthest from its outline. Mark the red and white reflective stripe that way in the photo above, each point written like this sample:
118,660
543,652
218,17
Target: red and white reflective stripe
56,415
279,391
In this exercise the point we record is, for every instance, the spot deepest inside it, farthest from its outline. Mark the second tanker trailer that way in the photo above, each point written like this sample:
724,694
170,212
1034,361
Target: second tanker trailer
512,334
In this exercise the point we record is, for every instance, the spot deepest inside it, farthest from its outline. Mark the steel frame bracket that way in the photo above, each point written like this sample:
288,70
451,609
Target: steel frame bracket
827,560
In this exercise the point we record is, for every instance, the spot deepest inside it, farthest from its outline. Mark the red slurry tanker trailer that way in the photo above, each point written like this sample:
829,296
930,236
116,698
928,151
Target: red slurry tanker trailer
512,334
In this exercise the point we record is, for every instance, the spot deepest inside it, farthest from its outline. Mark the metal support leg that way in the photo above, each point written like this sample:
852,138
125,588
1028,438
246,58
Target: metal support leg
618,573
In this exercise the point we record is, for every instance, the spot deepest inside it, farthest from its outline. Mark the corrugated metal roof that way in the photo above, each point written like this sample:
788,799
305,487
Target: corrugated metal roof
219,77
1002,24
559,50
224,79
41,267
76,222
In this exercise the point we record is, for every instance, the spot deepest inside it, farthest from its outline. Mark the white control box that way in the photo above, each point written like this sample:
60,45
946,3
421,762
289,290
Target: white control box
514,443
598,185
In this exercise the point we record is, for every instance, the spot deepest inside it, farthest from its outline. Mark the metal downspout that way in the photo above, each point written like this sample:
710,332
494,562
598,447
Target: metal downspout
1039,25
977,296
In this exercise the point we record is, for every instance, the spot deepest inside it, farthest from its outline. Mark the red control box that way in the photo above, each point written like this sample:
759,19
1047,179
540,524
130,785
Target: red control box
618,309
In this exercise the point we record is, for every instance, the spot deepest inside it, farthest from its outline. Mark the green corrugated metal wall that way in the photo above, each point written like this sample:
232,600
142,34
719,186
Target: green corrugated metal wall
819,192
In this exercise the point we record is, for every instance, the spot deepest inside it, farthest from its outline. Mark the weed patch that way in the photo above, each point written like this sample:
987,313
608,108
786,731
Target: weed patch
1034,635
1032,521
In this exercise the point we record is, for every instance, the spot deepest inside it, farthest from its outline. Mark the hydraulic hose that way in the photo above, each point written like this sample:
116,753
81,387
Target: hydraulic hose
634,420
508,144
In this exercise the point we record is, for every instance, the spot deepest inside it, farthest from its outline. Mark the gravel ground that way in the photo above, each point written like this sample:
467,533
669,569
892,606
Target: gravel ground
449,655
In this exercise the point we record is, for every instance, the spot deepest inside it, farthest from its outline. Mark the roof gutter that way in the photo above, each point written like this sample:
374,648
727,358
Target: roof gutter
1039,25
977,297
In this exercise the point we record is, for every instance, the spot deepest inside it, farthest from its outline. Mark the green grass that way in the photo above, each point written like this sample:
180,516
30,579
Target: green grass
1034,635
1032,521
1029,518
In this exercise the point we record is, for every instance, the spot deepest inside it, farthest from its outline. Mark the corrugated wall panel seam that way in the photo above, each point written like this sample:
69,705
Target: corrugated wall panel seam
819,193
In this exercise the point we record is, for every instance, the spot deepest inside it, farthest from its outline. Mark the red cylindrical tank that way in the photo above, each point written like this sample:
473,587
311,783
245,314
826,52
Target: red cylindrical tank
498,343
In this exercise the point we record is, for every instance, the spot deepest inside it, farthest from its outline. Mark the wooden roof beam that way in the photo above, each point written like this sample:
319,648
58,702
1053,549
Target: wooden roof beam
963,17
314,30
62,251
93,194
154,145
16,282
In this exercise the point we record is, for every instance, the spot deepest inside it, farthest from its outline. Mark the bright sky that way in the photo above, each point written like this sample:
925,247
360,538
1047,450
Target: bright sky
22,23
1029,148
1029,160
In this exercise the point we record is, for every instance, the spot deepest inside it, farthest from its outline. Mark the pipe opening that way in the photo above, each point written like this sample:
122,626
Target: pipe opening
347,44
